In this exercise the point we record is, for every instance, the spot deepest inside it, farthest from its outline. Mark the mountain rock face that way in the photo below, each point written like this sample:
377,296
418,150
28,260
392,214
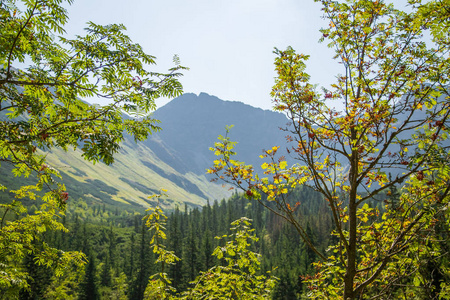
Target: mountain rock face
191,125
175,158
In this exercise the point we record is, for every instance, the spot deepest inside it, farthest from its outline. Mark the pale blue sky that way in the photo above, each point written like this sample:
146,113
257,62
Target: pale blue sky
227,44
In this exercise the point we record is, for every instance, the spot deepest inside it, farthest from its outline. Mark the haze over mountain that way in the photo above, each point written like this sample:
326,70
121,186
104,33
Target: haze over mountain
175,158
191,125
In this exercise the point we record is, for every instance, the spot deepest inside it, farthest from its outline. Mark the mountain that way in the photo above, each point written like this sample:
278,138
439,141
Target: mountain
191,125
175,159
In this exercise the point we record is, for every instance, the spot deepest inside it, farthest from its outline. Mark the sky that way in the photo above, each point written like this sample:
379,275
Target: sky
227,44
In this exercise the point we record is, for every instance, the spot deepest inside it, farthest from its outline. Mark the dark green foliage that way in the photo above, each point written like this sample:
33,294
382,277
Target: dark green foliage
144,266
284,289
278,244
106,276
190,235
89,286
175,244
122,246
191,255
39,279
130,263
237,278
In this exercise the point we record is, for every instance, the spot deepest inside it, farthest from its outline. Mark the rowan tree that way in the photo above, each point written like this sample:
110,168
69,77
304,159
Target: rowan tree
238,278
159,284
388,112
43,78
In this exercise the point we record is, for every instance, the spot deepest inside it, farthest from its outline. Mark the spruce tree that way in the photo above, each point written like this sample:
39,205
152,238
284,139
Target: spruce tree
89,286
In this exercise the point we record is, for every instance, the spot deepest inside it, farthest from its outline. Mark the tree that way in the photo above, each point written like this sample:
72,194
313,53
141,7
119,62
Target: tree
120,287
67,286
175,242
144,267
43,78
392,116
238,279
159,285
89,286
39,277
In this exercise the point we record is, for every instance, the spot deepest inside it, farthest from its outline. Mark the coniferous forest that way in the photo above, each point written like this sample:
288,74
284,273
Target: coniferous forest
121,260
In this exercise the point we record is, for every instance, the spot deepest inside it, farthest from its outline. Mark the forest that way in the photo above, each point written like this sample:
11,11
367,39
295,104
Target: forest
362,214
121,260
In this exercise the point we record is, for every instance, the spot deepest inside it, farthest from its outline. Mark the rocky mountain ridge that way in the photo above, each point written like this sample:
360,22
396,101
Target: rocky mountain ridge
175,158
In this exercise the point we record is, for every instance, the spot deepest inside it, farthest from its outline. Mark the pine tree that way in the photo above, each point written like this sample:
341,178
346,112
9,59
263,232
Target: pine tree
106,276
89,286
284,289
130,264
207,250
174,241
190,256
39,278
144,268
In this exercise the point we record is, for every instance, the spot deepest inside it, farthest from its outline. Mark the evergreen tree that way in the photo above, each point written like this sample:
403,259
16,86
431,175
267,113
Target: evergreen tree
89,286
130,266
310,254
144,269
106,274
207,250
174,241
190,258
283,289
39,278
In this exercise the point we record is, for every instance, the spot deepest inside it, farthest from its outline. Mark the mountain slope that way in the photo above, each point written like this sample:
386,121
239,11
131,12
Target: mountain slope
191,125
174,159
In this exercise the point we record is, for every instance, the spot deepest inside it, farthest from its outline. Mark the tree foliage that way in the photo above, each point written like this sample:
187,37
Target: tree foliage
43,78
392,116
237,278
159,285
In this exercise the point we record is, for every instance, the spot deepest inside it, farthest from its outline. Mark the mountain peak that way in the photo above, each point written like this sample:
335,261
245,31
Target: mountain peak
191,124
212,102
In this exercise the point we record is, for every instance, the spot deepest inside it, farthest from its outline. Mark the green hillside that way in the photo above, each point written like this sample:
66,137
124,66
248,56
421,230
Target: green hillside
136,174
175,159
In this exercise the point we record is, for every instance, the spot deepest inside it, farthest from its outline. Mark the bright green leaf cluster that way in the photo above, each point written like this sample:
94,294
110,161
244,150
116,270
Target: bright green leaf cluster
237,279
44,77
387,112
